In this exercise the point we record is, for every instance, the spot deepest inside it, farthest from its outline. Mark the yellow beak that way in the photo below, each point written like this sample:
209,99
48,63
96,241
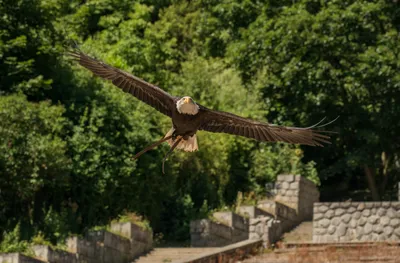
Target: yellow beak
187,100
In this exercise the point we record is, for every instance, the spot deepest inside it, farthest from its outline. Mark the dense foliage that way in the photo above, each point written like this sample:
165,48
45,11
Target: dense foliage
67,139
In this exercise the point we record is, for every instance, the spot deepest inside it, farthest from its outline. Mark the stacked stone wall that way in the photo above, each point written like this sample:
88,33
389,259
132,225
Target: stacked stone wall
228,228
298,193
17,258
127,242
207,233
293,203
356,221
266,228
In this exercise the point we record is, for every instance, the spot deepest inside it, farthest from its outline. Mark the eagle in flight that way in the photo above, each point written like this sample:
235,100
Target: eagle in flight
188,116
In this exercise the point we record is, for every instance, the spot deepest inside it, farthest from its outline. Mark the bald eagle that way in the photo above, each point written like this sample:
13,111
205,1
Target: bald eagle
188,116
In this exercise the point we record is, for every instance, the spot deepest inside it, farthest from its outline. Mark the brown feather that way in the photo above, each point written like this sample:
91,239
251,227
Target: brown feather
218,121
144,91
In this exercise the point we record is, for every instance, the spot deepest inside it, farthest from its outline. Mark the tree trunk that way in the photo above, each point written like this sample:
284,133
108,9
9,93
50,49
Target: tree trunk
370,174
385,164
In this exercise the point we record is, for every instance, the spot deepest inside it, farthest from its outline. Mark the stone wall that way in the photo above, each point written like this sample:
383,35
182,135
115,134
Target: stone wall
298,193
227,228
285,215
49,254
266,228
17,258
127,242
293,203
356,221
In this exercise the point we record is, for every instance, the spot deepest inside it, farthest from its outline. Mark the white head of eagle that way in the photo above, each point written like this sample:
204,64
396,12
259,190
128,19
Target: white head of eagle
186,105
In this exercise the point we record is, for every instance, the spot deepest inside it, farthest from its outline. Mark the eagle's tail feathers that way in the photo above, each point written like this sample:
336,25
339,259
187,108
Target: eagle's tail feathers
189,145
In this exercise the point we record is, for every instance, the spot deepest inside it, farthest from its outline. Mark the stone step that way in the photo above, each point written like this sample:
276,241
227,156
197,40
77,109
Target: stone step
253,212
232,219
164,255
301,233
280,210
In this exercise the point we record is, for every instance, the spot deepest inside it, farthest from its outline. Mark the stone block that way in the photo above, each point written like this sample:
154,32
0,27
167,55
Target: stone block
362,221
294,186
133,231
319,231
323,208
369,205
378,228
333,205
335,221
346,218
339,212
390,212
361,207
373,219
112,255
233,220
367,229
341,230
48,254
330,214
388,230
351,209
285,185
286,178
357,215
395,222
324,223
318,216
220,230
366,212
384,220
331,230
17,258
81,246
110,240
253,212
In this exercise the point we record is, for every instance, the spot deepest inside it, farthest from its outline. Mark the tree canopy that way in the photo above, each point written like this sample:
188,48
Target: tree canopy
67,138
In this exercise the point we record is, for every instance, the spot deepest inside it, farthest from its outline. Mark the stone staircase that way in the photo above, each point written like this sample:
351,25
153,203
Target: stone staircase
300,234
225,237
173,254
268,220
124,242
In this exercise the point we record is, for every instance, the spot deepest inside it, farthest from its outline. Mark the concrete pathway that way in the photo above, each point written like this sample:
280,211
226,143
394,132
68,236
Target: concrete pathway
302,233
167,255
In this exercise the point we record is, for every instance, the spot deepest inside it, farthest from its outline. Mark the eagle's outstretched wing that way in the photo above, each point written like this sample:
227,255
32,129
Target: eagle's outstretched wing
218,121
144,91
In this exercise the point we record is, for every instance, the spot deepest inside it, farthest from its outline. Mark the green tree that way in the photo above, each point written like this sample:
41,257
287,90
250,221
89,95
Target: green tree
34,166
316,59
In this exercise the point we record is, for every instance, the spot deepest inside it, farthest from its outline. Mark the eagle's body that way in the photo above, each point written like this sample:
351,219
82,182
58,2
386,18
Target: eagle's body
185,122
188,117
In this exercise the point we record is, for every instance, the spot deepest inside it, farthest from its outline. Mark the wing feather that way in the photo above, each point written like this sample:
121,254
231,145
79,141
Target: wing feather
144,91
218,121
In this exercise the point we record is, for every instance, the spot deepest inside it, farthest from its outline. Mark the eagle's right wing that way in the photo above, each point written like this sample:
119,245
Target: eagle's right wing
144,91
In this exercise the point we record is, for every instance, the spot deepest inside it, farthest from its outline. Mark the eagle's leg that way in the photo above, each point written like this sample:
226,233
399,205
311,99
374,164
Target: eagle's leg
179,139
148,148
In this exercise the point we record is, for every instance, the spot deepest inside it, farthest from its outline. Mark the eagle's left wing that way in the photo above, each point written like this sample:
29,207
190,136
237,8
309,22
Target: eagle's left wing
219,121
